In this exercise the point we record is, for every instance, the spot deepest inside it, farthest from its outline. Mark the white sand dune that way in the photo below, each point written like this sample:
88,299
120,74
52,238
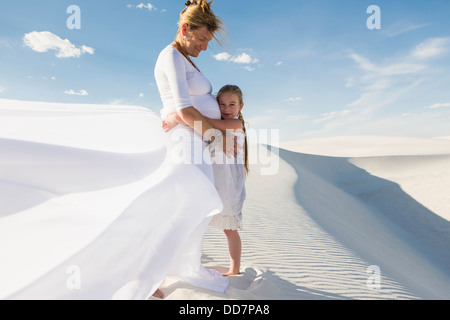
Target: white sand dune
370,146
313,229
335,208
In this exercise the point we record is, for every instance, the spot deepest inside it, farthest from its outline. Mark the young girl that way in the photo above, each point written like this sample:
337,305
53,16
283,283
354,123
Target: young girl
229,177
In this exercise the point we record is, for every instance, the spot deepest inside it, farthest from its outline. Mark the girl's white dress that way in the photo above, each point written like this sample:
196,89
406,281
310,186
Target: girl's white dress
229,179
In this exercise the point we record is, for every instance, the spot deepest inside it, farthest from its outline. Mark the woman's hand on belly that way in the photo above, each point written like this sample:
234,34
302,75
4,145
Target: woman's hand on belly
171,121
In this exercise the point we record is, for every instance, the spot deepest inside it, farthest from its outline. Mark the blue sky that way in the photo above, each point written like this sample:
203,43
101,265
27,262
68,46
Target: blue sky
308,68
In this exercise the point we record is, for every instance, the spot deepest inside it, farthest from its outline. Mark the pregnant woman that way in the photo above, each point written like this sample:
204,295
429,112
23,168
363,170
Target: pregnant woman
108,214
185,90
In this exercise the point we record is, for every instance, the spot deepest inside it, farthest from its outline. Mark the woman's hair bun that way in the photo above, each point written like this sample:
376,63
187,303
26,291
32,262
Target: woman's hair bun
204,4
198,13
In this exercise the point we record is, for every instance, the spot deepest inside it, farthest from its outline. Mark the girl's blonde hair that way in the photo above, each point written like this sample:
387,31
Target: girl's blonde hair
238,92
198,14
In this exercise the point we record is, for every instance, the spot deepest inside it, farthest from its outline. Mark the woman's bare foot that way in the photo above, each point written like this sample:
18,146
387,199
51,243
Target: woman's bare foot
231,273
158,294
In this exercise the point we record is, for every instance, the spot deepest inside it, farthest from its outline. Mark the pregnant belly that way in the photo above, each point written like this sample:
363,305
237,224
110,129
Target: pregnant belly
207,106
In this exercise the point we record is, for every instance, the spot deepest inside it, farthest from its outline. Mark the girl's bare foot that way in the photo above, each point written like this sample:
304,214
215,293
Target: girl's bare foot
158,294
235,248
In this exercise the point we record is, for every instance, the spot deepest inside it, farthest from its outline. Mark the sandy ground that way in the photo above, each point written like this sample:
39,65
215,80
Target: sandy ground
336,210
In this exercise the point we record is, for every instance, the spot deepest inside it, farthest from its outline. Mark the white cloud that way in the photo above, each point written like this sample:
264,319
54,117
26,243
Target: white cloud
384,90
2,89
224,56
422,124
45,78
45,41
79,93
243,58
393,72
402,27
279,63
248,68
87,49
438,105
350,82
332,115
386,82
293,99
294,118
363,63
401,68
431,48
148,6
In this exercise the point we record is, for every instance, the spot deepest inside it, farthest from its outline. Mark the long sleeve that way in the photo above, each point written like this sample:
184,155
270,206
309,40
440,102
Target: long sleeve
181,85
176,73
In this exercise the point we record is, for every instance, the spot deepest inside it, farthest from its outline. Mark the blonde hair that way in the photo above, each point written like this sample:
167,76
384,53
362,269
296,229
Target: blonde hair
238,92
198,14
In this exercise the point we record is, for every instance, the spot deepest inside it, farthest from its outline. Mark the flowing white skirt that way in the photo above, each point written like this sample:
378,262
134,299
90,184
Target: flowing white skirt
91,207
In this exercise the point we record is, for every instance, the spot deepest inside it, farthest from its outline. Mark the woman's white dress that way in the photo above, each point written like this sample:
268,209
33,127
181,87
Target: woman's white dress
181,85
92,205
